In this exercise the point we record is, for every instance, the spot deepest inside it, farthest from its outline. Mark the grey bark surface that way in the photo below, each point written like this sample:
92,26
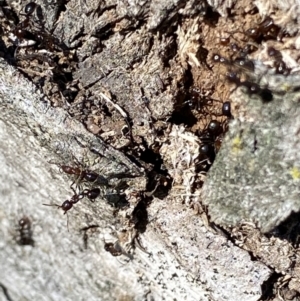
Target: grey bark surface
261,153
128,54
59,258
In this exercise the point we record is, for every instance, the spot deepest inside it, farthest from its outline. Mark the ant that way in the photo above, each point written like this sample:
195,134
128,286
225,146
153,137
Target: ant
82,174
37,35
91,194
279,64
211,139
198,101
25,232
243,52
267,29
30,8
87,175
239,62
244,64
252,88
113,248
20,32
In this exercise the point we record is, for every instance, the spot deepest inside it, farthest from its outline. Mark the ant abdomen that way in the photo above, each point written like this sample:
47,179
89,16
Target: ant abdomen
92,193
25,232
30,8
226,109
91,176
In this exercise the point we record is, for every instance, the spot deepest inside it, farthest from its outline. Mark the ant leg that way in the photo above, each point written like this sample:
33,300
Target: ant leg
137,243
67,205
67,221
55,205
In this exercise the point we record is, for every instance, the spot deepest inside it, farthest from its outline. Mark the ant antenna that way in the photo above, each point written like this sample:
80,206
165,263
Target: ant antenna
66,205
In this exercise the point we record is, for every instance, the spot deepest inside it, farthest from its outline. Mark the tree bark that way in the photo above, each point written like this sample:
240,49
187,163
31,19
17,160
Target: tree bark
105,90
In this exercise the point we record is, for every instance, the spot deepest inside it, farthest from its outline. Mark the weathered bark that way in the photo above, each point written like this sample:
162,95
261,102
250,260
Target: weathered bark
135,60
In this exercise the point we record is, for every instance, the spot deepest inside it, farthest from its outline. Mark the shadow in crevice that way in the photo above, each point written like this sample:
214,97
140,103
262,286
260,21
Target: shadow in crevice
289,229
268,286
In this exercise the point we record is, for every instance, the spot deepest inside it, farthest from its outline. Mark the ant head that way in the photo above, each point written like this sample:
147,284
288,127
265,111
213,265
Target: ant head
234,47
66,206
272,52
233,77
24,221
244,64
253,33
216,58
252,88
281,68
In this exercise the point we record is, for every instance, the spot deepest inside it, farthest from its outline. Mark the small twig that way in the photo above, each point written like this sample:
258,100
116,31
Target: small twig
121,111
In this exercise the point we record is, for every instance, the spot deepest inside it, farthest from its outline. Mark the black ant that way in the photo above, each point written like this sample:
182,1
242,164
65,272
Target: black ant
198,101
211,139
25,232
267,29
29,9
220,59
37,35
243,52
279,64
91,194
241,62
252,88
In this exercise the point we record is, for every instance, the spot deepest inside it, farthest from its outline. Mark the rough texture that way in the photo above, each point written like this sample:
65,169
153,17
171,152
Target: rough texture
177,238
257,171
126,90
